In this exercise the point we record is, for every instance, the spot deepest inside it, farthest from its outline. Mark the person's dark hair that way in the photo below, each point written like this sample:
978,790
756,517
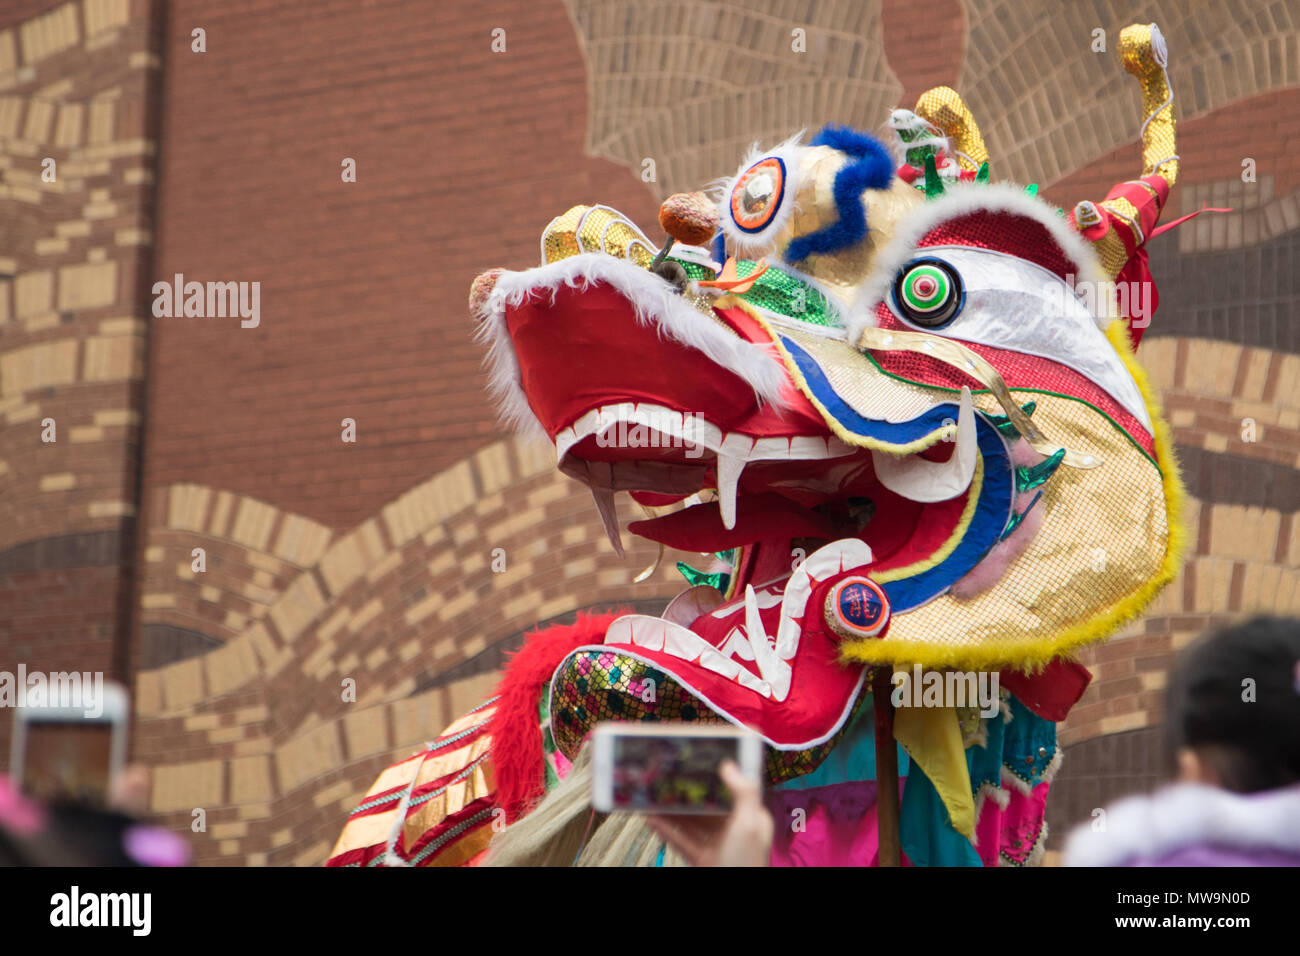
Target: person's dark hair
1251,744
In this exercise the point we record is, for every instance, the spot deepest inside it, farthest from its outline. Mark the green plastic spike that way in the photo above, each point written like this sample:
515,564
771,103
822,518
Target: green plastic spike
1032,477
1018,517
1032,189
1003,422
719,580
933,184
983,175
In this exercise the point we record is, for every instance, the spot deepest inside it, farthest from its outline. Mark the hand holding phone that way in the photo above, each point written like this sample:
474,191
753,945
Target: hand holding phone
742,838
669,768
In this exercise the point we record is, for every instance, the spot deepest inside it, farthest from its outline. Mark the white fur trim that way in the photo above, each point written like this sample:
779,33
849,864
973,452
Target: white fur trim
749,244
958,200
1184,815
653,300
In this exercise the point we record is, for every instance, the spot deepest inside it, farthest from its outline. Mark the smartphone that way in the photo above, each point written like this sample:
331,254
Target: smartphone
69,753
668,768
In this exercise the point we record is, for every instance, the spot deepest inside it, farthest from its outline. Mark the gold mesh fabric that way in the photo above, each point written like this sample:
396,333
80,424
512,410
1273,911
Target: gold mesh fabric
1158,141
1104,535
944,107
595,229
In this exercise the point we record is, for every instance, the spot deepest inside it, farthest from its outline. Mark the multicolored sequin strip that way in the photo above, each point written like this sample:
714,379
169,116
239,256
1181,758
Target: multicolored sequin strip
592,686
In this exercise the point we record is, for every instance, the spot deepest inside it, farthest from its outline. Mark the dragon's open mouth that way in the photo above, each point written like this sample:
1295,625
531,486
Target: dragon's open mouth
700,417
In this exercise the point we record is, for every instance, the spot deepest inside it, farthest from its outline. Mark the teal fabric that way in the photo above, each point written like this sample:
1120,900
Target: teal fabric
852,760
925,831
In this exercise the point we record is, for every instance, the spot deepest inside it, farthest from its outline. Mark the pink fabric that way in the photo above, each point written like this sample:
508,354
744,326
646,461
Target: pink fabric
1013,831
837,826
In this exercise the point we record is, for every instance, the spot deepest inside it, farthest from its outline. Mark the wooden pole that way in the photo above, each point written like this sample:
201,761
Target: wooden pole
886,768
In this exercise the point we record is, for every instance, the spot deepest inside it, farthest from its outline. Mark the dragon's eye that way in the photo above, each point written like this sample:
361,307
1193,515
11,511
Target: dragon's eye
757,195
928,292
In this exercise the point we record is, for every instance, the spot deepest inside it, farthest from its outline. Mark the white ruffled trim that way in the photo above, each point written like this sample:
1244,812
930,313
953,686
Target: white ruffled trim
1010,779
653,300
958,200
1153,826
749,244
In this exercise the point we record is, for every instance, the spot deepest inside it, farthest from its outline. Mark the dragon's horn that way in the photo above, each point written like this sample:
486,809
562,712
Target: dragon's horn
943,107
1142,50
1119,224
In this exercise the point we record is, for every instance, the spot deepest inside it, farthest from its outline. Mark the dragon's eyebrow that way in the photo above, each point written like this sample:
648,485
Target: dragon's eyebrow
957,355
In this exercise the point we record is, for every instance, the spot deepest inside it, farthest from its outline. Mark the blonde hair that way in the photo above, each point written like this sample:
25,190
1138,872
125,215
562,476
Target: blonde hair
564,830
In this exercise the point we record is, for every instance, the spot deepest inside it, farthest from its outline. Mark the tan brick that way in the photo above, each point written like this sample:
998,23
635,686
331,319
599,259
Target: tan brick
148,693
494,467
366,731
58,482
333,794
297,607
231,666
103,115
227,831
253,521
40,114
187,506
308,755
112,358
33,293
87,286
106,14
301,541
38,366
182,683
186,786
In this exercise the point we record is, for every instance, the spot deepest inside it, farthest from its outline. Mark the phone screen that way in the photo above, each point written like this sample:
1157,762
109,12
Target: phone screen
69,760
671,773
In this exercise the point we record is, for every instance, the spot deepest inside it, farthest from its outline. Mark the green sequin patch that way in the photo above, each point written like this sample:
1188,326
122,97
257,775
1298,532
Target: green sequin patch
787,295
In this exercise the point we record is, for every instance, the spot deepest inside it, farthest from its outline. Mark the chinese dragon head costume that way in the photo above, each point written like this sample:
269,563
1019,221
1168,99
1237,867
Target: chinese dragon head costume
897,404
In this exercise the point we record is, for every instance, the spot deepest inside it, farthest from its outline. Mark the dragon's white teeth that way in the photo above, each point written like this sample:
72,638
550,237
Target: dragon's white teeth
609,517
843,555
771,448
919,479
736,445
729,470
646,633
680,642
809,447
712,660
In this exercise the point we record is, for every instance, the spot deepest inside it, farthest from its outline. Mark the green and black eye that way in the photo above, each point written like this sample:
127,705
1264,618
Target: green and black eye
928,292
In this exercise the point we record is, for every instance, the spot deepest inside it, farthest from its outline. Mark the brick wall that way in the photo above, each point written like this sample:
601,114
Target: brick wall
78,103
326,561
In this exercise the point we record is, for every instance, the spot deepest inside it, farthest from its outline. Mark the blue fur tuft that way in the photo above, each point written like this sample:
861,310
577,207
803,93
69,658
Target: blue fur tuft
872,168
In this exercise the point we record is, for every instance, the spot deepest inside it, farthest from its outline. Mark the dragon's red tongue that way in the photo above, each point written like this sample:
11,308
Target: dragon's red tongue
760,516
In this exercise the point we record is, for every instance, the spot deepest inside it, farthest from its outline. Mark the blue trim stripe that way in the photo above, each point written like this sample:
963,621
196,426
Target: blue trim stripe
895,433
991,511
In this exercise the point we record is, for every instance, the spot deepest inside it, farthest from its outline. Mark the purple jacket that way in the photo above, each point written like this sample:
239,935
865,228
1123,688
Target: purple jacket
1191,824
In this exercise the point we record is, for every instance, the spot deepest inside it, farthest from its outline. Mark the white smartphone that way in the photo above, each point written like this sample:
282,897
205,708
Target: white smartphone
73,749
668,768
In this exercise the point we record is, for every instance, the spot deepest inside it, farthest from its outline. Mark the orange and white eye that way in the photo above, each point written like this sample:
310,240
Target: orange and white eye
756,198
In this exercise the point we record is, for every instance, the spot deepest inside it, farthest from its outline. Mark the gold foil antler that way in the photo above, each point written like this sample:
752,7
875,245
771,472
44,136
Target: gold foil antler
1144,54
952,352
944,107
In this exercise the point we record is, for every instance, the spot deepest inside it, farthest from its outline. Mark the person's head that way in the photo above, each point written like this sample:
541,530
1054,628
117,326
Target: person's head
1233,707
